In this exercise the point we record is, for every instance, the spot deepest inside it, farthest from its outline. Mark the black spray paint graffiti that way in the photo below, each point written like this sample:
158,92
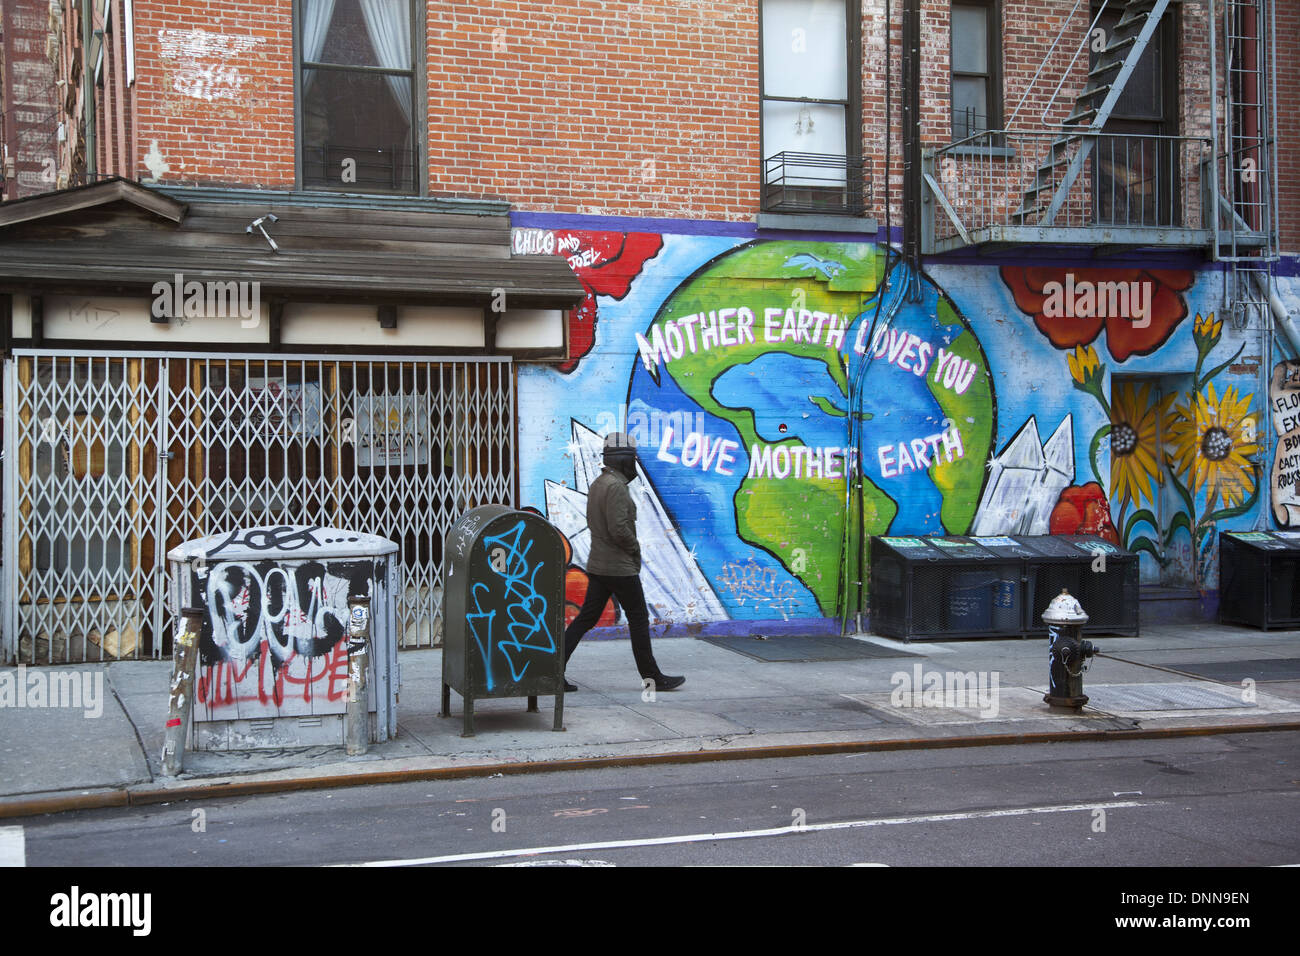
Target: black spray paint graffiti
281,538
527,629
299,609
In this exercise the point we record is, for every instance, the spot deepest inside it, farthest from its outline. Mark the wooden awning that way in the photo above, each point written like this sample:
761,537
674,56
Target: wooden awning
122,237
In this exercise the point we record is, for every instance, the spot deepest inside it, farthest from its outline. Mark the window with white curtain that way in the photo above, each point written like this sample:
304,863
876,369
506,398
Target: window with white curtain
808,93
357,94
976,75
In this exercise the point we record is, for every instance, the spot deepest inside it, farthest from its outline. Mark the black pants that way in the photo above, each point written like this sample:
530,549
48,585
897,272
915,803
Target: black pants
632,600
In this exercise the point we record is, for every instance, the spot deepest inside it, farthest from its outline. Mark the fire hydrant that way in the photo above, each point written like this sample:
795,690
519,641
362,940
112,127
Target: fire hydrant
1067,651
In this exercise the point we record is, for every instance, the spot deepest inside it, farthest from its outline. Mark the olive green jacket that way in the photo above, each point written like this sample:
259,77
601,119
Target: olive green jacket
611,516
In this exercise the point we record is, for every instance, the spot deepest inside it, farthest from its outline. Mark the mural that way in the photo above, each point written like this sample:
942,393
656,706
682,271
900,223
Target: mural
1284,397
754,355
604,262
767,380
1172,439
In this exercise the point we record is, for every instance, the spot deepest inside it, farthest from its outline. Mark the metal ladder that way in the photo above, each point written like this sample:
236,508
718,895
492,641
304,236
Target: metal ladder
1056,175
1244,159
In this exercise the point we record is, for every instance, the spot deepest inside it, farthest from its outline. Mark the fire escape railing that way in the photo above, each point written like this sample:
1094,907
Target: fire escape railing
1088,182
816,183
996,185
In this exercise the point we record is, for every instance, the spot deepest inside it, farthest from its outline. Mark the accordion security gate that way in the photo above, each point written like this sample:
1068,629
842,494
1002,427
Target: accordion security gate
112,459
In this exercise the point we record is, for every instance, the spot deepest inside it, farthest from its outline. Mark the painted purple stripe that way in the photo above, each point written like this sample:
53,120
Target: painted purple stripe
679,227
1196,607
775,627
1289,265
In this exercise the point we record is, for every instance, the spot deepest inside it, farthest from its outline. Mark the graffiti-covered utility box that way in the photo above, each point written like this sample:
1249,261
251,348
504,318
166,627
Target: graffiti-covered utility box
1259,578
503,610
273,647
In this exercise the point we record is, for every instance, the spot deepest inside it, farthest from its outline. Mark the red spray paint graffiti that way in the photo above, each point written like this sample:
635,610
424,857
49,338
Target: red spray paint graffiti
321,680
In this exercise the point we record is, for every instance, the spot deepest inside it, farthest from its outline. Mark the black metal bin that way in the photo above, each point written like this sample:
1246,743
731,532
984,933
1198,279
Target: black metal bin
949,587
1102,576
1258,573
503,610
959,587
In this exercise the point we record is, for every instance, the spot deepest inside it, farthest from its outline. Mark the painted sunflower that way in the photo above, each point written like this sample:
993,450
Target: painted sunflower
1135,416
1212,440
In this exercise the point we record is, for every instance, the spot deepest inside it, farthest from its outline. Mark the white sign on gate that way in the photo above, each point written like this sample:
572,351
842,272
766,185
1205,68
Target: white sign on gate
279,410
392,430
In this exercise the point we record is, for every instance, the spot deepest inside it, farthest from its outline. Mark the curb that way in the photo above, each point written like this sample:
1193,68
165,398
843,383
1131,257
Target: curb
128,797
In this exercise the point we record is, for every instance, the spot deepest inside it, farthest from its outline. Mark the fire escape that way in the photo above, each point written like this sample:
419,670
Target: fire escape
1245,214
1094,178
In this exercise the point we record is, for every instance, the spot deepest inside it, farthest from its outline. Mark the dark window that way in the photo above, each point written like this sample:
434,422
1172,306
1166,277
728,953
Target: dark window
357,95
1137,175
976,68
811,138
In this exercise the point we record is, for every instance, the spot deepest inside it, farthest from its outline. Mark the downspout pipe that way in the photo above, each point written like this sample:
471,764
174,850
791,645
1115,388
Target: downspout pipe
1281,318
88,88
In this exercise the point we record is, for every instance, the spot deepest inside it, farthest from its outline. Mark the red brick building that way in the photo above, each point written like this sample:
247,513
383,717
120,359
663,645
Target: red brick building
881,187
566,110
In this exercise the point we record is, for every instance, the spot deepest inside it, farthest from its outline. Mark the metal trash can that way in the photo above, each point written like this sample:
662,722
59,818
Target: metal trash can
1258,572
273,644
503,610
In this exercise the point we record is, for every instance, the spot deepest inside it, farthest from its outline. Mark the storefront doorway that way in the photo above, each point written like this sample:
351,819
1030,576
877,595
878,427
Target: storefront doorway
114,459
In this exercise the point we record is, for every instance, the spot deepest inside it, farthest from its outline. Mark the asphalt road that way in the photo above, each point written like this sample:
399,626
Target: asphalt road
1206,801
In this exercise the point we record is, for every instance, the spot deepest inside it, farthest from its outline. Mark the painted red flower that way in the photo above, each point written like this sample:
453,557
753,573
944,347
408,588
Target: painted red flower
575,588
1083,509
1058,299
605,263
575,592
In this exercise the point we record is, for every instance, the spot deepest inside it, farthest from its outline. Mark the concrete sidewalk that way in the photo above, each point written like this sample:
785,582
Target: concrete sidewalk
731,707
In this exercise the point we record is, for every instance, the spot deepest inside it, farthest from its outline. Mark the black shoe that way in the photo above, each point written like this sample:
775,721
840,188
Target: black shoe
569,688
664,682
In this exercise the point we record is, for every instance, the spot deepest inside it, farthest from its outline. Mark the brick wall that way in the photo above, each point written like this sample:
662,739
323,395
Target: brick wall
630,108
1288,134
28,124
627,108
214,92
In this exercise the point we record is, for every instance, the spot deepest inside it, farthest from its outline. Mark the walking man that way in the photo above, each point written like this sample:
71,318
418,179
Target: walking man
614,566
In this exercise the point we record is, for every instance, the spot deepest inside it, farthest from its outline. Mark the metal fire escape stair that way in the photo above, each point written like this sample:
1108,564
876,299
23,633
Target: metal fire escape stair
1245,219
1068,154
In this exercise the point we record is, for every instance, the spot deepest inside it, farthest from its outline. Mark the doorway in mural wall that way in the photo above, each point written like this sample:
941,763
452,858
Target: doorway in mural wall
1147,509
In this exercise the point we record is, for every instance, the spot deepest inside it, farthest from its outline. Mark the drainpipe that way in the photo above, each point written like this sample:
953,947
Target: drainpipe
912,144
1281,318
88,86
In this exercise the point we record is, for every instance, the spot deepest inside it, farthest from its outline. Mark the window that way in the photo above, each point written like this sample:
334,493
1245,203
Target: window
1137,174
976,68
810,92
357,95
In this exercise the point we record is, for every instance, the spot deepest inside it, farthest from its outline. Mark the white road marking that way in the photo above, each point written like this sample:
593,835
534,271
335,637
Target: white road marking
559,863
747,834
13,847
